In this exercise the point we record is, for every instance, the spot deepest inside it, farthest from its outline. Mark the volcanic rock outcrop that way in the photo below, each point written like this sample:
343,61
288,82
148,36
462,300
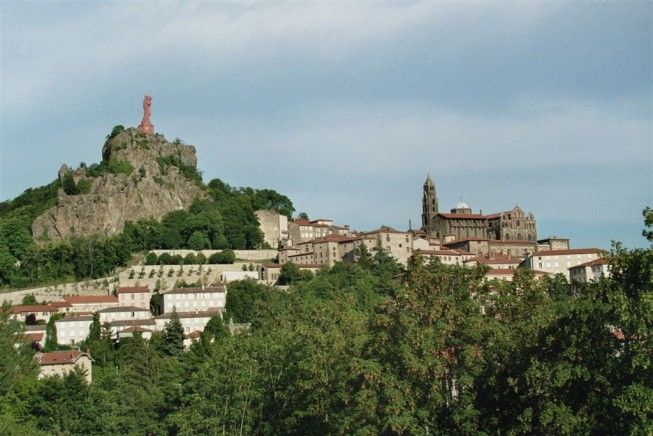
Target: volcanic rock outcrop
141,176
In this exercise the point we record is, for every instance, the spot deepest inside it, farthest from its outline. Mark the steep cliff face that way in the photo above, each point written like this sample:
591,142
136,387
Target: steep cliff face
140,176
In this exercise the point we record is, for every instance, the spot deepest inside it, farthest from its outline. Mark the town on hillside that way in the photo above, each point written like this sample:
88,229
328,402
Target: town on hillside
191,286
503,241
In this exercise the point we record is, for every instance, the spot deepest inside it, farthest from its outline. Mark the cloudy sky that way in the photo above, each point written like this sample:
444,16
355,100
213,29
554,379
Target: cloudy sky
346,107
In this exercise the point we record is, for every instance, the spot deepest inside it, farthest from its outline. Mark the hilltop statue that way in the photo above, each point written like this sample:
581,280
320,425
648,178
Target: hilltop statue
146,126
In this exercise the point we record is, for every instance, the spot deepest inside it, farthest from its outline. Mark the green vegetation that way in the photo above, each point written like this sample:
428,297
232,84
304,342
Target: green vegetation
222,257
112,166
370,349
188,171
225,221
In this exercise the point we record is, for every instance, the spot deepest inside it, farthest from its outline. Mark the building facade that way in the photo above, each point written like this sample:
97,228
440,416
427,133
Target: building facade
462,223
195,299
560,261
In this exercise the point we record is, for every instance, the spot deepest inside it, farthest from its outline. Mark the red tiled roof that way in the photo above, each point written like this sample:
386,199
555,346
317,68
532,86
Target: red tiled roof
335,238
58,304
194,334
132,289
306,265
570,251
599,261
28,308
382,229
302,222
60,357
34,336
90,299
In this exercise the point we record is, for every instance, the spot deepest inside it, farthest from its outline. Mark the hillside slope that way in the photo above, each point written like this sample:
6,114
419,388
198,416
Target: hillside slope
140,176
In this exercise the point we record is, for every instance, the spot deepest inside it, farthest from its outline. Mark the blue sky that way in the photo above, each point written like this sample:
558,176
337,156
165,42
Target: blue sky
345,107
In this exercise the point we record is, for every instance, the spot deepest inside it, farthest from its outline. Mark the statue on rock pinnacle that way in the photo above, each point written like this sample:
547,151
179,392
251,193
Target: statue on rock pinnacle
146,126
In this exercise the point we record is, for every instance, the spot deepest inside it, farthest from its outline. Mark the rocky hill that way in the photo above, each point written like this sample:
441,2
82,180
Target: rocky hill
140,176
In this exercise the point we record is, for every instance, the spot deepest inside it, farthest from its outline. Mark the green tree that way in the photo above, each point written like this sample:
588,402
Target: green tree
291,274
151,259
198,241
174,336
29,299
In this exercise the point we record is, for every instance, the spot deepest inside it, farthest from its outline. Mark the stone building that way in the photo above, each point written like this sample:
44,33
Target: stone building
60,363
274,227
138,296
461,223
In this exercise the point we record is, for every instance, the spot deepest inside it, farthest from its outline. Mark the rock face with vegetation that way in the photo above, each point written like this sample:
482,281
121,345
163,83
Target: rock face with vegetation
140,176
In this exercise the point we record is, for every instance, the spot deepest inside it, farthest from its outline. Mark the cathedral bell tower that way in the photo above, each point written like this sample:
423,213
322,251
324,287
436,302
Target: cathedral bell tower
429,204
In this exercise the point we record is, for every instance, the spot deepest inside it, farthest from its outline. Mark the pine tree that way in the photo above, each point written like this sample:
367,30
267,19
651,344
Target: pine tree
174,335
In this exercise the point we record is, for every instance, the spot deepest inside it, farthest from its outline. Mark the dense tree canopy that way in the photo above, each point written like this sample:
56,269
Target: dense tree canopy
370,348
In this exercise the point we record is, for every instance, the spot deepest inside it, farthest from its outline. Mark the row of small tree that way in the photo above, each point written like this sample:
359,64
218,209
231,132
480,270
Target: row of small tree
221,257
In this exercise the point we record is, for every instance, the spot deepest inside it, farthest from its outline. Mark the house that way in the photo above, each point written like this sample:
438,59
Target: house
447,257
34,335
495,261
90,303
123,313
190,321
60,363
195,299
73,329
126,327
137,296
32,312
559,261
397,243
590,271
508,274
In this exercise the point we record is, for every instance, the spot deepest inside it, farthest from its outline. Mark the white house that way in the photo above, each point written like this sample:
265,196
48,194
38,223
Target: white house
195,299
73,329
559,261
122,313
190,321
590,271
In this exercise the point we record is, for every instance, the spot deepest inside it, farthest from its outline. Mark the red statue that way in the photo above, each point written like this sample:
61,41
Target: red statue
146,126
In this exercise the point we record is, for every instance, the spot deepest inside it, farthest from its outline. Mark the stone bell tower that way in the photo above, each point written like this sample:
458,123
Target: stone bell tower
429,204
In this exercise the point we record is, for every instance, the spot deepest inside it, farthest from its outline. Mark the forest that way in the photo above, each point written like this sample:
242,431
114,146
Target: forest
225,220
370,348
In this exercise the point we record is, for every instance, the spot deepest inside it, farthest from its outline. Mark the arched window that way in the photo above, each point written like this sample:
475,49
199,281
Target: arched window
530,236
507,237
519,238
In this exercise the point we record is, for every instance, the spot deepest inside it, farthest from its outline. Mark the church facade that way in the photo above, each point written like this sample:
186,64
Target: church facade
461,223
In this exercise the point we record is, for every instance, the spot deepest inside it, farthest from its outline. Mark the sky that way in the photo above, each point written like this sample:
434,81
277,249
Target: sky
346,107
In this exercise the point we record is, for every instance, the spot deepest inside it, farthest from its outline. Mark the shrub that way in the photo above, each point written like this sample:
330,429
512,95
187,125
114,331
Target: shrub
223,257
177,259
165,258
115,132
200,259
190,259
151,258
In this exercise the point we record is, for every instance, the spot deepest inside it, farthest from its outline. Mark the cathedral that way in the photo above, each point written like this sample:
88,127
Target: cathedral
461,223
